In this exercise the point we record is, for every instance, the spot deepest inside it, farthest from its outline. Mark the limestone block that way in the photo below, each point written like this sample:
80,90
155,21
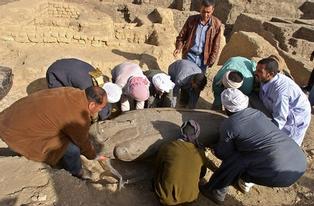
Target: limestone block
184,5
280,35
82,41
163,16
75,40
249,45
299,67
62,38
54,34
229,10
83,37
6,37
33,37
49,39
301,47
96,43
307,8
22,37
162,35
76,36
142,20
103,24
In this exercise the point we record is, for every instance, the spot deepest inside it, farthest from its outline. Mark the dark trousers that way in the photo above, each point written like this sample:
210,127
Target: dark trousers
189,97
71,160
257,169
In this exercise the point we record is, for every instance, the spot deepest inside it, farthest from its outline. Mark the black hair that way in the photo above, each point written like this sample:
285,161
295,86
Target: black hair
106,78
235,76
95,94
207,3
229,113
200,80
271,65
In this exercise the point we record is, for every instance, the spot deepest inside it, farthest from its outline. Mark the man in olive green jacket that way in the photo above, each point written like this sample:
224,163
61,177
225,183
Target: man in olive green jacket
179,165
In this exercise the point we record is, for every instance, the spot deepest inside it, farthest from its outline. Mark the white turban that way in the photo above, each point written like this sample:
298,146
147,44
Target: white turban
229,83
234,100
162,82
113,91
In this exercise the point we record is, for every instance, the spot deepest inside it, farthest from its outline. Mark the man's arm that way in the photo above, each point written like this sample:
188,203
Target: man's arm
181,38
280,110
125,104
140,104
216,45
225,146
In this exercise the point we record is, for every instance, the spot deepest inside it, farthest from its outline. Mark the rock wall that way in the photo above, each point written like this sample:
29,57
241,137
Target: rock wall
55,22
251,46
229,10
293,39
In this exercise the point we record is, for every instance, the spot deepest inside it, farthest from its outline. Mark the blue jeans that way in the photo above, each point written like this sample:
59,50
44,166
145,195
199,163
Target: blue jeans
71,160
198,60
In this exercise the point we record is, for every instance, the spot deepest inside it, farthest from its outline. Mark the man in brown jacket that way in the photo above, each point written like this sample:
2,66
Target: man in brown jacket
52,125
199,38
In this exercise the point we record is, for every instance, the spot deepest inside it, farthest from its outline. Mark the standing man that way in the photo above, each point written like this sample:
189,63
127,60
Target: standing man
237,72
199,38
253,149
284,99
79,74
52,126
189,82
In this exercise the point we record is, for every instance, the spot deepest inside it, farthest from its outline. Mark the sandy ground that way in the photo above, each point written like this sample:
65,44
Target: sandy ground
25,182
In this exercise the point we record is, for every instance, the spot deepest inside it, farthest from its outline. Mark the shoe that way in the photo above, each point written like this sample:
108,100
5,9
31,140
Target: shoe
84,175
243,186
217,196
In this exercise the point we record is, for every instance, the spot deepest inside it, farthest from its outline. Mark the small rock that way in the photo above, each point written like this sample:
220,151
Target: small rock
42,197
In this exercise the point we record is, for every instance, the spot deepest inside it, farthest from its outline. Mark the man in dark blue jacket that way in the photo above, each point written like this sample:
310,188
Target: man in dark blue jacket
252,149
79,74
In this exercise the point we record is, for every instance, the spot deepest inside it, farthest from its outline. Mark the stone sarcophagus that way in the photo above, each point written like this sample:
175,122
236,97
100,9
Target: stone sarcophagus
138,134
6,81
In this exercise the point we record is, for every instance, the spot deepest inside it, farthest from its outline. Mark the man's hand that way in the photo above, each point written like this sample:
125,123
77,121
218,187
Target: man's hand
100,158
176,53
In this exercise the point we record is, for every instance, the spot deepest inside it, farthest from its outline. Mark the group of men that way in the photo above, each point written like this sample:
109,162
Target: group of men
52,125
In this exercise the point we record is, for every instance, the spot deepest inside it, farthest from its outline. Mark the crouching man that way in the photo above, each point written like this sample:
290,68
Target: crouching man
52,125
253,149
179,165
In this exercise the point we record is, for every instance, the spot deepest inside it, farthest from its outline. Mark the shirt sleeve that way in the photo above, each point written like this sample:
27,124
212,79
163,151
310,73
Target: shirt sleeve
225,146
181,38
280,110
216,45
140,105
125,104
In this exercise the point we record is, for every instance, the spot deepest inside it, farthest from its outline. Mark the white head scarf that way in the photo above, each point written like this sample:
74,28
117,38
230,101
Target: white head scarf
234,100
113,91
162,82
229,83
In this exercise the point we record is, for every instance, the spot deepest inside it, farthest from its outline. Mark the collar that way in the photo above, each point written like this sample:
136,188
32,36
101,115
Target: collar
267,84
209,23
